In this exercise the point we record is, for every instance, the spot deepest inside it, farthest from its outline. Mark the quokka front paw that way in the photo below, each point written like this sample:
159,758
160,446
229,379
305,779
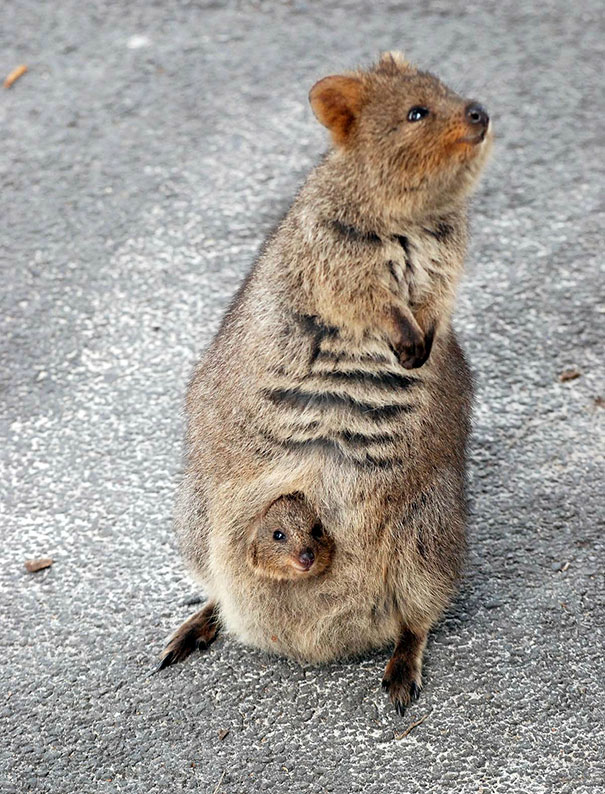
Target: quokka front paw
412,354
196,633
412,344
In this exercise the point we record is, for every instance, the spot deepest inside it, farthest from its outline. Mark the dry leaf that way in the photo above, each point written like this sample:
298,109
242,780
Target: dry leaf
569,374
223,734
15,75
38,565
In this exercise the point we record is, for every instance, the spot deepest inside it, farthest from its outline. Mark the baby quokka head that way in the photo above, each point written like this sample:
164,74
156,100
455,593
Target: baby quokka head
402,136
288,541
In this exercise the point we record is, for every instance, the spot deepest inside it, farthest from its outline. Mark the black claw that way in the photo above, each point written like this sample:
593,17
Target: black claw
163,663
414,691
401,707
385,683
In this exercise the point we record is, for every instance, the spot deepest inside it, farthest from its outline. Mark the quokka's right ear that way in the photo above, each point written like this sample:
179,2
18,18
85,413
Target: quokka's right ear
336,102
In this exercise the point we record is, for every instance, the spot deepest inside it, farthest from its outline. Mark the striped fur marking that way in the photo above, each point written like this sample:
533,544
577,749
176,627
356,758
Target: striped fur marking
393,267
387,380
346,438
354,234
363,440
416,507
441,231
332,447
343,355
318,331
296,398
405,244
313,325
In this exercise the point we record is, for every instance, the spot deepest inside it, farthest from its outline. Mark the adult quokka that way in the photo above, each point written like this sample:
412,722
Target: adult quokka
336,374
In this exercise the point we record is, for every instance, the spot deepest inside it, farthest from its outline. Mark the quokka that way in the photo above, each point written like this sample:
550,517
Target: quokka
288,541
336,374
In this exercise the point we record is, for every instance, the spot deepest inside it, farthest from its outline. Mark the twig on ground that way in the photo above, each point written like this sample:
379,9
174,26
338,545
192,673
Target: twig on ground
411,727
218,785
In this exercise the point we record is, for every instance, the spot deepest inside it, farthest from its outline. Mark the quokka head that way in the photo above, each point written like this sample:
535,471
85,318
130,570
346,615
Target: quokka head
407,137
288,541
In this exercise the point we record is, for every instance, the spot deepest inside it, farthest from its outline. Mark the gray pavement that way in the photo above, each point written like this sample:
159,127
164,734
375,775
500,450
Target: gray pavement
138,177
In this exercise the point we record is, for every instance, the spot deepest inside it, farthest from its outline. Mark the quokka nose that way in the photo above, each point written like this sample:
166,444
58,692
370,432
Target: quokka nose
306,557
476,114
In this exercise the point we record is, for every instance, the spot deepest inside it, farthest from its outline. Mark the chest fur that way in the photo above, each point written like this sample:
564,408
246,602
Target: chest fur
424,264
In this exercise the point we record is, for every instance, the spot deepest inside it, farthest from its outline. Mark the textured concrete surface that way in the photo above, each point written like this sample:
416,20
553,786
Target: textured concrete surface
143,157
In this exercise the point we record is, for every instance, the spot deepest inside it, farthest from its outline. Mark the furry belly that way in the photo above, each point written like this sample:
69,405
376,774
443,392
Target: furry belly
339,613
311,624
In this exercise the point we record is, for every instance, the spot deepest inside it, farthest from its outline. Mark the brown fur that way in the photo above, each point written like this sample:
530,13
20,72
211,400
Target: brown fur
318,382
305,549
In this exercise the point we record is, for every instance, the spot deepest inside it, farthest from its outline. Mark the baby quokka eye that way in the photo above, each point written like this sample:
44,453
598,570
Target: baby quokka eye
277,535
417,113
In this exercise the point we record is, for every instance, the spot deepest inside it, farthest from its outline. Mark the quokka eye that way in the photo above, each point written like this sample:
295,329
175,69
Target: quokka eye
417,112
317,531
277,535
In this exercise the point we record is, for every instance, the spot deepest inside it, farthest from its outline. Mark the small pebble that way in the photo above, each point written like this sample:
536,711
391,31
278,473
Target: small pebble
137,41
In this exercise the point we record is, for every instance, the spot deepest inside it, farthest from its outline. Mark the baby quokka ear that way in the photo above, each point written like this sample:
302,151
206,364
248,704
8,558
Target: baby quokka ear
337,101
394,62
252,553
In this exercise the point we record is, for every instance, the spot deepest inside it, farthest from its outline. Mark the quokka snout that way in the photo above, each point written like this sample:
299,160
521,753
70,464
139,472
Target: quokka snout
336,376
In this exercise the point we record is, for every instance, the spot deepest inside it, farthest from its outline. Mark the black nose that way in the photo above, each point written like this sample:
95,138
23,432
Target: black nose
476,114
306,557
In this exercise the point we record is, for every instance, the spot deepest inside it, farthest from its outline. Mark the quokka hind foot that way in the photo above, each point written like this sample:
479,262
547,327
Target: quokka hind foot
197,633
403,675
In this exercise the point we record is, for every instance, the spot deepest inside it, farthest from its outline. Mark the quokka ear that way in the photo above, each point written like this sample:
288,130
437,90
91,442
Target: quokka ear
336,102
394,62
252,555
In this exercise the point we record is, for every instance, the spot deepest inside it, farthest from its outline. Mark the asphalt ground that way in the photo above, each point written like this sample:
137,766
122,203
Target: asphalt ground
143,157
